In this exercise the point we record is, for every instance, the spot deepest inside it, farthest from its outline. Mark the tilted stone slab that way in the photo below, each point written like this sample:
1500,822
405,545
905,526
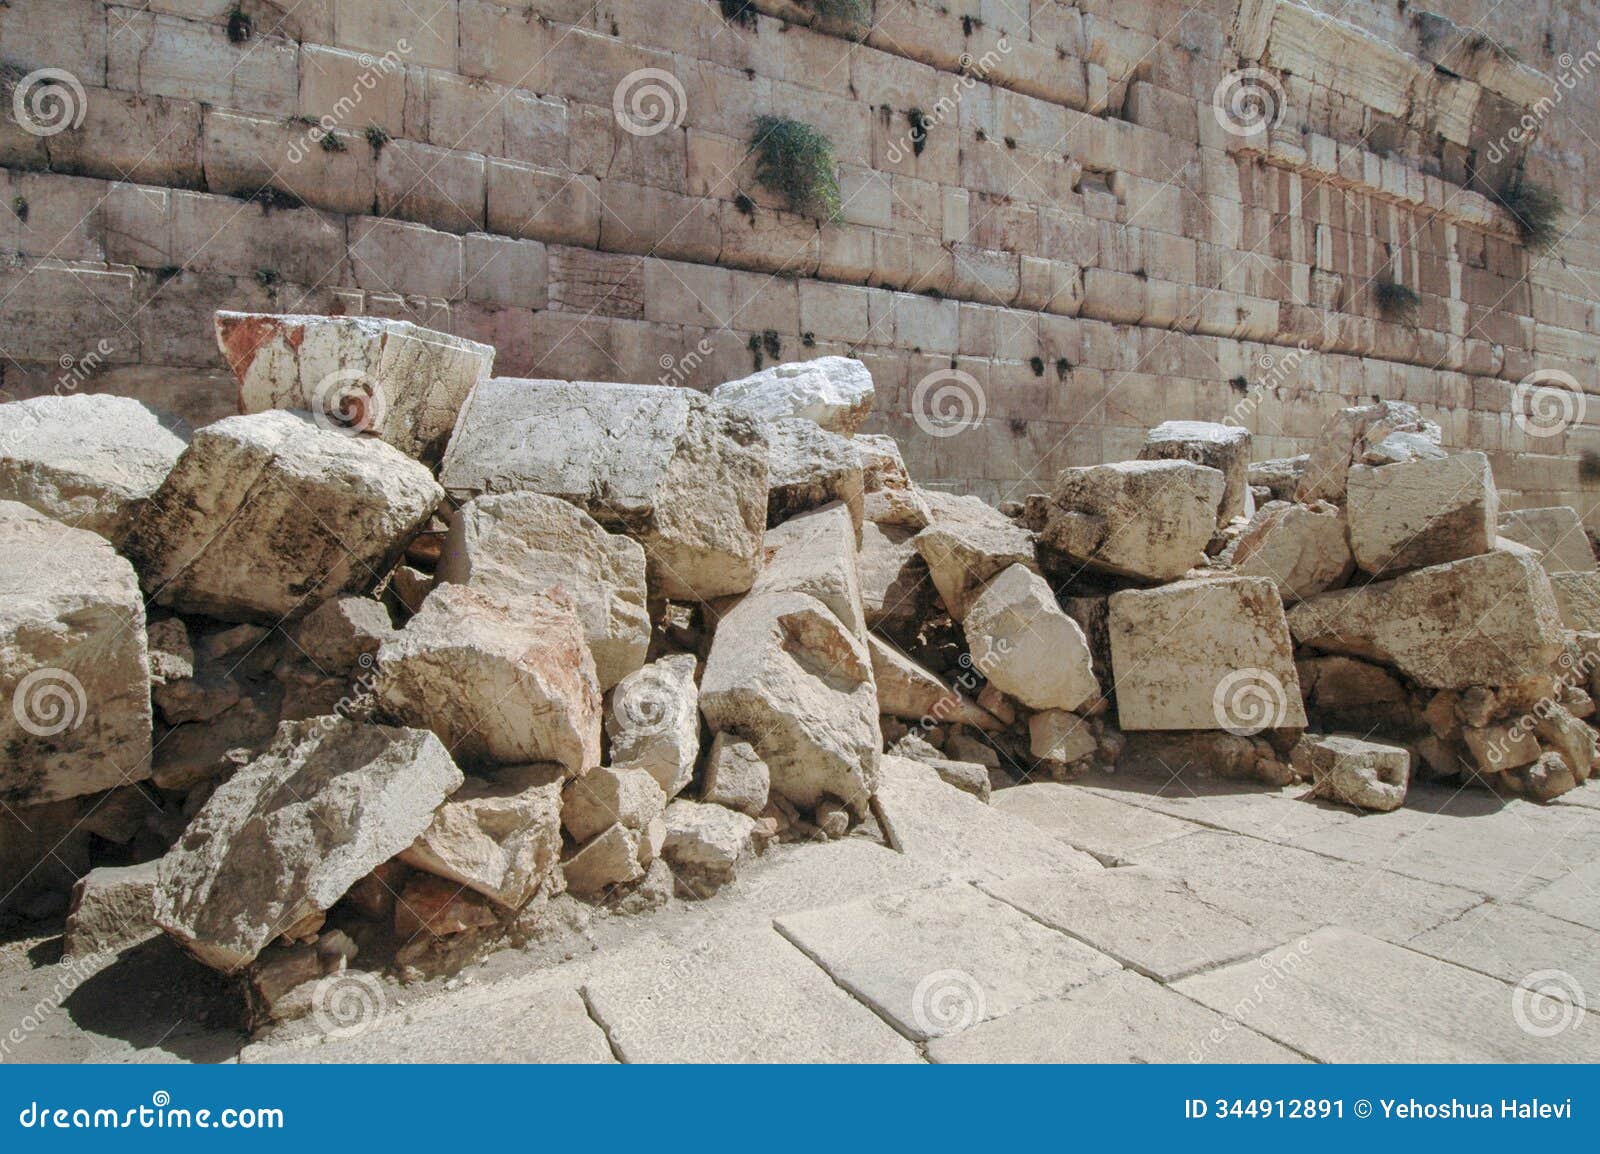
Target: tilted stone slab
966,544
1487,620
290,833
1348,437
267,516
1225,448
1026,646
809,467
400,382
815,553
1204,654
74,670
654,722
1421,513
1149,520
1557,534
834,392
1577,600
1304,549
90,461
684,477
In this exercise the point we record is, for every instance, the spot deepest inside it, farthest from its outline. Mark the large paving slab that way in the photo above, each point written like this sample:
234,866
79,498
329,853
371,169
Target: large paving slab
1574,897
1587,795
1285,891
1510,942
1150,920
546,1027
1123,1017
1339,996
1274,814
939,961
745,997
1468,838
1097,823
938,824
811,875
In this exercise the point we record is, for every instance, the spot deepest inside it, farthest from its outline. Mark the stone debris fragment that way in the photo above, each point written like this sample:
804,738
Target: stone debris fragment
654,722
1149,520
1225,448
833,392
1350,770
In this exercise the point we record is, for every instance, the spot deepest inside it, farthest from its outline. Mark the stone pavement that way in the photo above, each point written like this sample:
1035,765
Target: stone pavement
1117,919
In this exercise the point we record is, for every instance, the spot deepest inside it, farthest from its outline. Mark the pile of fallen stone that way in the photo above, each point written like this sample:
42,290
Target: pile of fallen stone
389,663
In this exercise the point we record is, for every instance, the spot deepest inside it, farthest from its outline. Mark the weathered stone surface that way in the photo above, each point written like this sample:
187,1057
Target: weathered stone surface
910,692
809,467
966,544
316,513
1304,549
513,545
1487,620
1225,448
654,722
890,498
90,461
967,776
896,591
74,673
344,634
1204,654
939,961
1350,436
1556,533
113,907
500,837
815,553
604,797
1109,828
1421,513
1577,600
1023,643
685,478
704,844
1145,519
736,776
1344,768
288,834
1345,693
500,685
1280,477
787,676
439,907
834,392
611,858
399,382
1059,736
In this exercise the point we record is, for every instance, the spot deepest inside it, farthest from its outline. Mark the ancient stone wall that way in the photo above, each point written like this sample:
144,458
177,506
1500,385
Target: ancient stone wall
1058,227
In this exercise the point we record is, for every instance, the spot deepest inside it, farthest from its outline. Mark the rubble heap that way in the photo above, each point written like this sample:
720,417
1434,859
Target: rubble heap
384,666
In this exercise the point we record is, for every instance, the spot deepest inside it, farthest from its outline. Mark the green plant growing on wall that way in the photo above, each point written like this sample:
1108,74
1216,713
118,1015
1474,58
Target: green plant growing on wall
740,12
1536,209
1397,302
853,12
19,208
1589,466
377,137
796,161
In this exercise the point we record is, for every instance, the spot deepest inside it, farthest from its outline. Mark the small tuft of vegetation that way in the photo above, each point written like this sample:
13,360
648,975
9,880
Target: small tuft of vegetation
853,12
808,340
270,198
1019,426
1063,367
1037,365
267,277
796,161
166,272
1589,465
1240,384
754,345
745,205
771,343
331,143
740,12
1397,302
920,123
1537,211
19,208
240,27
377,137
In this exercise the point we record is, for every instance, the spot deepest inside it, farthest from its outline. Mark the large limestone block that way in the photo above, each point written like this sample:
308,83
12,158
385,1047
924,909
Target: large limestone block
287,835
1204,654
1358,436
267,516
1487,620
604,797
896,591
705,843
1145,519
815,553
1225,448
911,693
1303,549
1421,513
500,837
1344,768
74,670
1578,600
513,545
392,379
966,544
1026,646
113,907
787,676
736,776
654,722
809,467
685,478
834,392
1556,533
88,460
890,497
500,684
